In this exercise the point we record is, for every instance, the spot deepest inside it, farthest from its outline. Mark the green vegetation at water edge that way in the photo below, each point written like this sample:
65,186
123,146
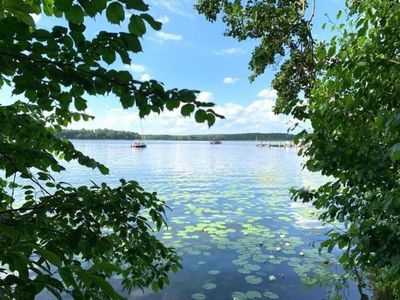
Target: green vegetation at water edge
98,134
108,134
224,137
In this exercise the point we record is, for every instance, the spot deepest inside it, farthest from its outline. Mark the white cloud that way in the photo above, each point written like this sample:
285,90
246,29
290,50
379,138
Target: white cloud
267,93
168,36
145,77
205,97
36,17
136,68
229,51
163,19
257,116
230,80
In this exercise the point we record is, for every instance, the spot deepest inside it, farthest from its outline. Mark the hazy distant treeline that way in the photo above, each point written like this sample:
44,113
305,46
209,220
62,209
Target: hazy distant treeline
99,134
224,137
107,134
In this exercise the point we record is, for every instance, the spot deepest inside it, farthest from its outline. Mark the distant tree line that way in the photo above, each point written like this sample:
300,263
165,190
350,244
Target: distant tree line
225,137
99,134
107,134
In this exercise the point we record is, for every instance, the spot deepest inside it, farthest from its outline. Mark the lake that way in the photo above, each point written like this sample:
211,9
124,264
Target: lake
231,219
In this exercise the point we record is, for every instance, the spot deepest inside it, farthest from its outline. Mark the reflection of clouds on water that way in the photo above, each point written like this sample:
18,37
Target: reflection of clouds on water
305,216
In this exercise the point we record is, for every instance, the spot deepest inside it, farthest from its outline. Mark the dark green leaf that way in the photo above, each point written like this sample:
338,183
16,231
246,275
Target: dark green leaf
136,25
115,13
75,14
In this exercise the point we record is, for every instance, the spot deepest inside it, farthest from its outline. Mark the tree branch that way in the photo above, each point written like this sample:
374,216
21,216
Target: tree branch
63,65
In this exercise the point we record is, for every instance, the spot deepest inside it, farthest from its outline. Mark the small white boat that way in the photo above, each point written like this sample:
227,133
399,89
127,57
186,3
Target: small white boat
215,142
138,144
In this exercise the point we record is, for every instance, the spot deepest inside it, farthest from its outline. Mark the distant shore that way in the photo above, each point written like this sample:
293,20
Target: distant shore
107,134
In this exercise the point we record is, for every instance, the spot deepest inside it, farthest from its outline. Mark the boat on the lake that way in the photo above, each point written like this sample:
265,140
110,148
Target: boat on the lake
138,144
215,142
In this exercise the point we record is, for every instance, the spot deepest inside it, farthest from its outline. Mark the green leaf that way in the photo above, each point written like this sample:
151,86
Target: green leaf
105,286
137,5
67,276
80,103
136,25
15,6
49,256
210,119
75,14
63,5
150,20
115,13
172,104
26,18
127,101
103,170
108,56
132,42
187,109
200,115
154,287
99,5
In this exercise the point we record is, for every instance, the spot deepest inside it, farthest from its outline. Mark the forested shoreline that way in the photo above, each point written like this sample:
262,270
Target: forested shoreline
107,134
98,134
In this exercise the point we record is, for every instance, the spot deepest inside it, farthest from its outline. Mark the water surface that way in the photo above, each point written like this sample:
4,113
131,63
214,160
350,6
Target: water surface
231,217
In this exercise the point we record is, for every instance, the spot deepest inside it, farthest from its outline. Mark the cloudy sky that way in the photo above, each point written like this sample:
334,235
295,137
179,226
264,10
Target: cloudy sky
190,52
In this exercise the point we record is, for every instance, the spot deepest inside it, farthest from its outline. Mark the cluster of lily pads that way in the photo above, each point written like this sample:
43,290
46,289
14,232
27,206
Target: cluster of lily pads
206,226
248,223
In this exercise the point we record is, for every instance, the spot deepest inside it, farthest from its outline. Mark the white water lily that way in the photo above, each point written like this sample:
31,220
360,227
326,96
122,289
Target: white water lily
301,253
282,236
278,248
271,257
272,278
287,244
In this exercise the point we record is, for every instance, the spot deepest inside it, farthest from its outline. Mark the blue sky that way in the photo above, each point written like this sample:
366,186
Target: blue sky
190,52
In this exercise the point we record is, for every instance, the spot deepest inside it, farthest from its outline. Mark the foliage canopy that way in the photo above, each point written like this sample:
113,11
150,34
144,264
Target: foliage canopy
347,88
54,236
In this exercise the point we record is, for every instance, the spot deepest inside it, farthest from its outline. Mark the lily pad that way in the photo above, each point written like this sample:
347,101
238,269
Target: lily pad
198,296
252,267
244,271
214,272
239,296
253,295
209,286
270,295
252,279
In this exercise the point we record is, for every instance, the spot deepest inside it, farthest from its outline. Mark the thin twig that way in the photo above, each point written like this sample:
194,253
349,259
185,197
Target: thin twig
334,24
312,11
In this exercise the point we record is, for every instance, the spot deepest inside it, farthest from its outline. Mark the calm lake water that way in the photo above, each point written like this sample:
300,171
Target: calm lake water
231,217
